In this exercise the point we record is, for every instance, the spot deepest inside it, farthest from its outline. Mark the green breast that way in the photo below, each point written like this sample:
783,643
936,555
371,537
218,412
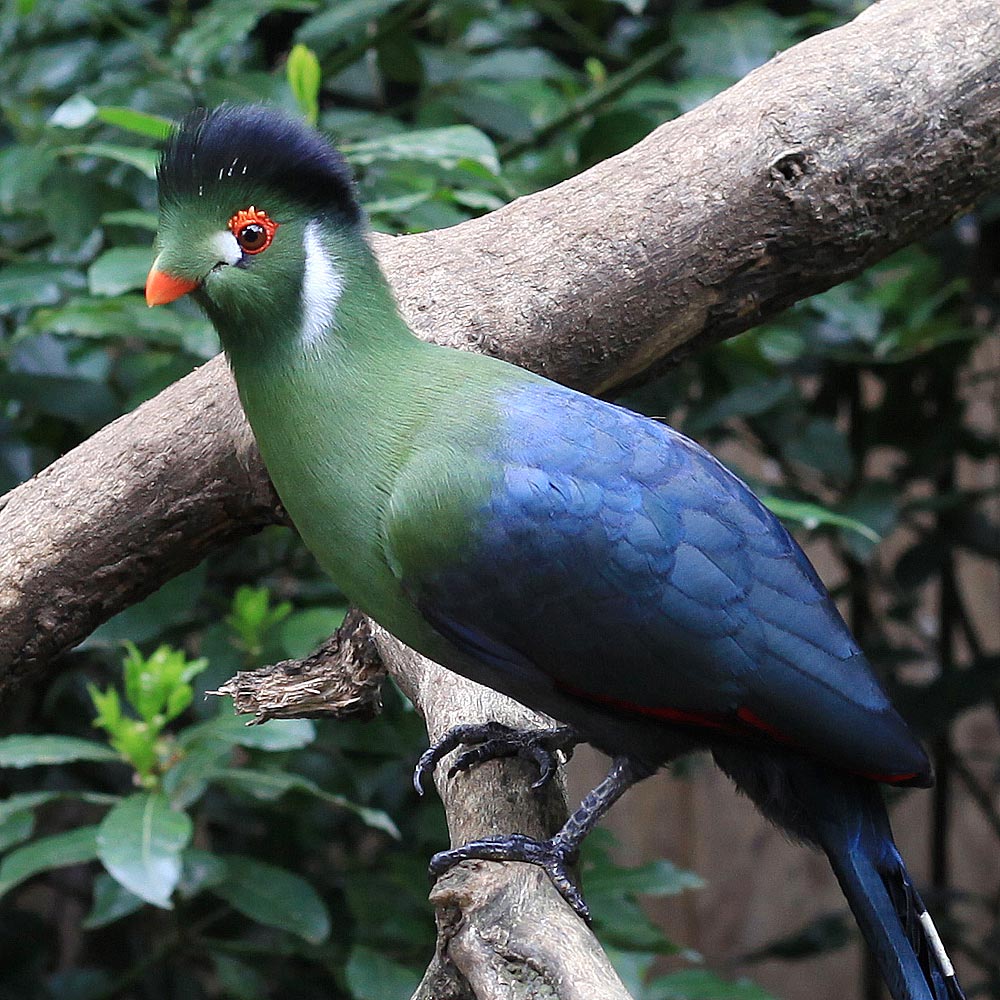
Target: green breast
346,434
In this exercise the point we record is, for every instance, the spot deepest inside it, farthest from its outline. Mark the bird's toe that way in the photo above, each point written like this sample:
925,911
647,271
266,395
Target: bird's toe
554,856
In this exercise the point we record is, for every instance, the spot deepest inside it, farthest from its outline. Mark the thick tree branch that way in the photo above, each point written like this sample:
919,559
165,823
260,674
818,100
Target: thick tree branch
503,929
827,158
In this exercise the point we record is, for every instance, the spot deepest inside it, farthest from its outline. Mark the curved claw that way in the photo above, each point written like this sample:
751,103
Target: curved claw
560,853
554,856
493,740
471,733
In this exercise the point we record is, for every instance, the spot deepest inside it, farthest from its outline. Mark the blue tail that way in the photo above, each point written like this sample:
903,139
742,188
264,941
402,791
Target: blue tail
846,817
893,919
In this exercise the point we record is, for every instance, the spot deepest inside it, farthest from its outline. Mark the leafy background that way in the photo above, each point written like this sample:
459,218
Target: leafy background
170,852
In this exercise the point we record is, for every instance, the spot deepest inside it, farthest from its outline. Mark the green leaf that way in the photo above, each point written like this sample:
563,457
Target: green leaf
207,747
225,23
14,804
279,734
186,780
29,284
151,126
178,700
200,870
655,878
874,504
324,30
271,785
175,602
612,891
70,848
252,617
142,159
140,843
132,217
812,515
32,800
823,446
446,147
29,751
120,269
514,64
274,897
78,400
303,631
733,41
750,400
701,984
483,201
372,975
16,828
108,707
112,901
157,686
22,171
101,317
304,77
239,980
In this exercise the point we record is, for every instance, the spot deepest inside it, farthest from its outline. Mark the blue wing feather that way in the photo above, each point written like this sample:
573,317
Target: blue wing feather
630,567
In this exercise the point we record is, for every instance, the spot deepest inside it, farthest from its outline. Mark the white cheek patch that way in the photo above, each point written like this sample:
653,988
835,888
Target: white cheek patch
322,285
226,247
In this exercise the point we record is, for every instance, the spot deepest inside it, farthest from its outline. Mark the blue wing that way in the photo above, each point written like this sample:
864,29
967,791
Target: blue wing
634,571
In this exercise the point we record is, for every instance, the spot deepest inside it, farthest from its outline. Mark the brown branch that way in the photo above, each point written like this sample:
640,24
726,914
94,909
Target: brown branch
144,499
827,158
340,680
498,924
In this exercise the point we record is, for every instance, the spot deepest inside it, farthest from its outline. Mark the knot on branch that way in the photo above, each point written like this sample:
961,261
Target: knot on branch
790,167
340,680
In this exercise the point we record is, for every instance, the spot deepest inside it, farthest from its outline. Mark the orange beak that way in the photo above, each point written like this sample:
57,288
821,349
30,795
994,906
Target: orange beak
162,288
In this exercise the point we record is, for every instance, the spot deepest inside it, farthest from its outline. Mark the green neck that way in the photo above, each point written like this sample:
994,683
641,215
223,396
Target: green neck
334,418
366,323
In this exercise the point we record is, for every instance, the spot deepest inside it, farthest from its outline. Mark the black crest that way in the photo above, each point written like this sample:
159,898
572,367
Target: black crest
261,145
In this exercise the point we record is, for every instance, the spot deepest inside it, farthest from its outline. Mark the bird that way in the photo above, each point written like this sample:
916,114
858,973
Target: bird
591,563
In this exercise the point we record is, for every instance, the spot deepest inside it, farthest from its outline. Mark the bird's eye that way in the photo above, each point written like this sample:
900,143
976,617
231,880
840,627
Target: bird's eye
252,238
253,229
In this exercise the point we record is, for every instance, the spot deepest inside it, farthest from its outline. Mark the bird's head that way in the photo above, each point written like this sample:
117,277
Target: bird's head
254,208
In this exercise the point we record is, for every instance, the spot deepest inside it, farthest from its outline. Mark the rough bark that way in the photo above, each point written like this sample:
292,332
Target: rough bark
503,929
142,500
340,680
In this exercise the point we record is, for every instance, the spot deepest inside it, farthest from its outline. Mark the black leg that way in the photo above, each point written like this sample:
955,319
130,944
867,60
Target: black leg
546,748
560,853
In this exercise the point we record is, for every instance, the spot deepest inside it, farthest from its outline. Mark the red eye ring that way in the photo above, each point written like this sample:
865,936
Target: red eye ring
253,229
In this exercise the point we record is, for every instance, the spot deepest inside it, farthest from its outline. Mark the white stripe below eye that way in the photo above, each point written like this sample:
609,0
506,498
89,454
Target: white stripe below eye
227,248
322,285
